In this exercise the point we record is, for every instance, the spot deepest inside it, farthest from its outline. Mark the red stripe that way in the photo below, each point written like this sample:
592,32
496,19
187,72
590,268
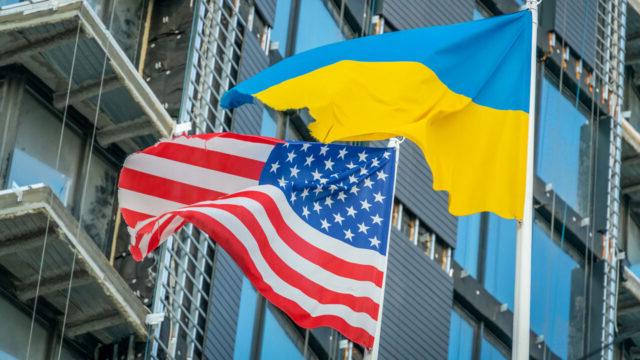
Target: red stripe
249,138
208,159
227,240
326,260
132,217
290,275
164,188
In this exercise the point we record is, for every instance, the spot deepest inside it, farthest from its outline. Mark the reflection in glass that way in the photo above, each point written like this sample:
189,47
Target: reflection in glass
461,335
488,351
281,25
97,210
316,26
246,319
499,274
563,147
468,242
268,126
277,340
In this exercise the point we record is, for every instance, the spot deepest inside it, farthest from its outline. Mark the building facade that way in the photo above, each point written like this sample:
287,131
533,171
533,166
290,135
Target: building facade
83,84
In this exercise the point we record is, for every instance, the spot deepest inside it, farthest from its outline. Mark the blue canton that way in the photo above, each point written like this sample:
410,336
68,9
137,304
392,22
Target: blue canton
343,191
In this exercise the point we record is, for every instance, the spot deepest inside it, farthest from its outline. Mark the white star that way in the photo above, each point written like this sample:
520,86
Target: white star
386,154
323,181
305,146
333,188
328,164
376,219
354,190
374,241
282,182
275,166
375,162
317,207
350,165
381,175
351,211
342,153
323,150
286,145
305,193
341,196
290,156
328,201
363,170
293,197
309,160
325,224
362,156
338,218
365,204
318,190
368,183
316,174
305,212
363,228
353,179
348,234
379,197
294,171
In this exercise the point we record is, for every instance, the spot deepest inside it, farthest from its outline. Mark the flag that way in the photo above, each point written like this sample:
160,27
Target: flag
307,223
460,92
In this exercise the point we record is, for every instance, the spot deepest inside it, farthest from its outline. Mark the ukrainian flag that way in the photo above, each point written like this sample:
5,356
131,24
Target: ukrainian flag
460,92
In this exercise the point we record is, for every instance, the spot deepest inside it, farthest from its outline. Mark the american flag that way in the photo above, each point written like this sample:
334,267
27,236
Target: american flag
307,223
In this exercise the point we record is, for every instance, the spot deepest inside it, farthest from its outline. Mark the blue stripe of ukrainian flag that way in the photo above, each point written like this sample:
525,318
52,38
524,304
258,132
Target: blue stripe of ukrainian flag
460,92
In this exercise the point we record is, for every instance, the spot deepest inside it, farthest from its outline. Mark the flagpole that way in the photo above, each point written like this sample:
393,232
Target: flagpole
373,354
522,292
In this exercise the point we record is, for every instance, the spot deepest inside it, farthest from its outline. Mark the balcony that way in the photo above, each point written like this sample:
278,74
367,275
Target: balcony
35,227
66,46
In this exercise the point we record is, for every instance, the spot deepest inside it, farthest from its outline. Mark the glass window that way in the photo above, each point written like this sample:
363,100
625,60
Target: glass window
316,26
278,340
499,274
246,319
461,335
408,224
395,214
563,130
268,127
97,210
468,242
441,254
633,246
14,338
425,239
34,156
557,297
280,30
489,351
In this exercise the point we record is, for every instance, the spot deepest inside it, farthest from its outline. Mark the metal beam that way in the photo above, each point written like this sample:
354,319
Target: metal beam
629,310
39,46
86,90
630,189
115,133
88,325
24,242
52,284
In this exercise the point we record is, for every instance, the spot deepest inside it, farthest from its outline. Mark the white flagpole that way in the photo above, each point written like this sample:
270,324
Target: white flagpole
521,318
373,354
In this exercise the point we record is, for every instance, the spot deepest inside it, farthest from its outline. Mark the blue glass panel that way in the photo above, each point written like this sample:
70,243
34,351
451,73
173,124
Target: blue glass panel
460,338
268,125
280,29
276,342
490,352
500,267
246,318
316,26
553,276
563,147
27,170
5,3
467,243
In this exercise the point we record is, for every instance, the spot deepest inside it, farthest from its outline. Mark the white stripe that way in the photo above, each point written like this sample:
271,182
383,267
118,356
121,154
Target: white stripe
144,242
310,305
315,273
319,239
188,174
247,149
146,204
